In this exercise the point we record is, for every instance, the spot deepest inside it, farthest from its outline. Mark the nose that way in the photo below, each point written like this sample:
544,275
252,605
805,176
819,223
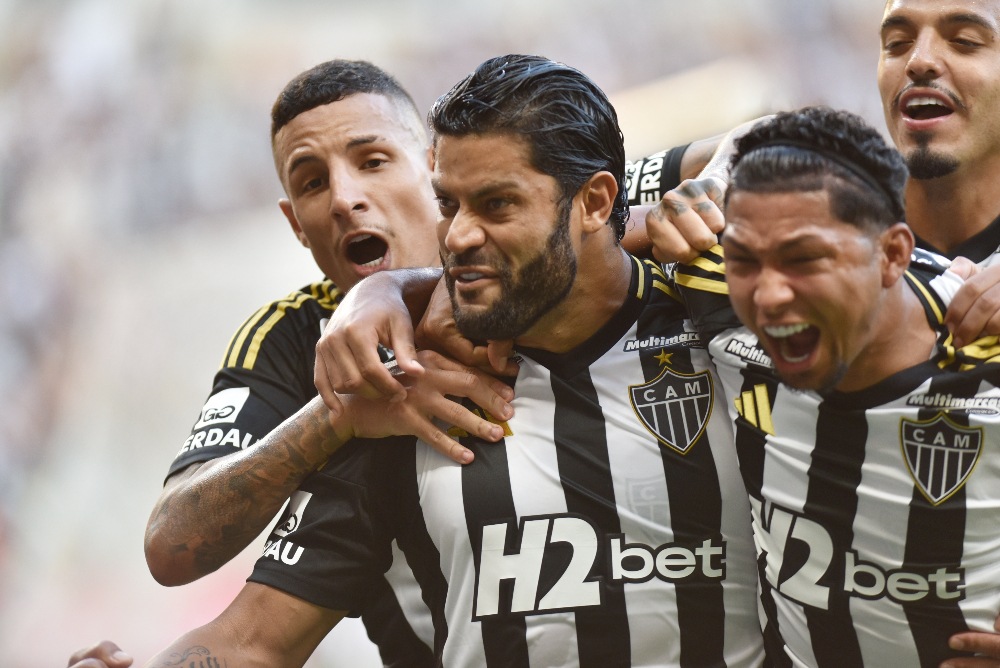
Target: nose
347,193
461,232
925,57
772,292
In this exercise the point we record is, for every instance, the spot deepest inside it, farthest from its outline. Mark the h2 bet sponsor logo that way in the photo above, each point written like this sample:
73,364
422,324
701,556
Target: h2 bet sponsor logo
861,579
578,585
222,407
278,547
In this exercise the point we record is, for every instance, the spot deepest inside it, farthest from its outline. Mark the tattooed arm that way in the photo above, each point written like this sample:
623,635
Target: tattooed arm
262,627
209,512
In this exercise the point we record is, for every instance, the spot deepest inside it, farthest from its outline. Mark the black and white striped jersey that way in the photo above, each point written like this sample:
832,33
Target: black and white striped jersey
609,527
874,511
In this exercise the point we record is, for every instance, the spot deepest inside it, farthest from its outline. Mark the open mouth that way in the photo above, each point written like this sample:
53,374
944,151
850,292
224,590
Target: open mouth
793,343
367,250
925,107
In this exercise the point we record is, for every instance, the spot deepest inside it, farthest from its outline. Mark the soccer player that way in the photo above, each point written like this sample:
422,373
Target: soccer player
867,441
609,525
939,78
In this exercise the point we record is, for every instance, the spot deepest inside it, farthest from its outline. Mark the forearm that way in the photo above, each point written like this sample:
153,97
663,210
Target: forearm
206,517
416,287
261,627
720,161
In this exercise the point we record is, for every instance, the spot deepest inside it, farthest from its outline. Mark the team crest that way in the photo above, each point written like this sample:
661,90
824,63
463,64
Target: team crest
940,454
675,407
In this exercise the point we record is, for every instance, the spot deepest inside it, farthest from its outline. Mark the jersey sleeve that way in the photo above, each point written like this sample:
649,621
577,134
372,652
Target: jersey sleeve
265,377
649,178
702,286
333,543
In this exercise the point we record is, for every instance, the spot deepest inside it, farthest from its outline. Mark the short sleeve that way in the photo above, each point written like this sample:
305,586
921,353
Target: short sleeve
648,179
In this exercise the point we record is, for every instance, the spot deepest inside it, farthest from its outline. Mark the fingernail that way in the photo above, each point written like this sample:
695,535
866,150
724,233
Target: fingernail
467,457
396,398
507,412
497,433
120,656
507,392
956,643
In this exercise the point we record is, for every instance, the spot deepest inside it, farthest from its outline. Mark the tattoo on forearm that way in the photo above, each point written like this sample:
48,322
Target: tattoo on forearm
218,515
196,657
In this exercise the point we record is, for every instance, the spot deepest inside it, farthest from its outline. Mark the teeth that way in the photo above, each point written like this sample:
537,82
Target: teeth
795,360
923,101
782,331
470,276
361,237
374,263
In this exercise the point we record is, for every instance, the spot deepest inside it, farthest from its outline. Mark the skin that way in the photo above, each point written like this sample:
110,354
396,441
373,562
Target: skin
490,199
951,51
358,165
790,261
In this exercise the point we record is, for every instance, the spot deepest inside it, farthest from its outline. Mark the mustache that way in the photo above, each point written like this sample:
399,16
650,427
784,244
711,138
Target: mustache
929,83
472,257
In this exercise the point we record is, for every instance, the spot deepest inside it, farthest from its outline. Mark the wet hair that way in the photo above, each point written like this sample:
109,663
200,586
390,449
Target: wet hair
570,126
333,81
817,148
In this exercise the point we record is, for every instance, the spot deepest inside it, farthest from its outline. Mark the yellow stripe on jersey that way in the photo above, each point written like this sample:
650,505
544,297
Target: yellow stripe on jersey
709,265
984,348
258,337
927,296
241,335
642,277
663,287
716,249
764,408
655,268
703,284
326,295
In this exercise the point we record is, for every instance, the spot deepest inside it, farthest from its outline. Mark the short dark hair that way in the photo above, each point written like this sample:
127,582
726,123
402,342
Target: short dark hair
332,81
569,124
818,148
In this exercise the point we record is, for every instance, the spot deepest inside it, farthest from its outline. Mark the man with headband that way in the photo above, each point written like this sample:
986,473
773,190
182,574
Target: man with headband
868,444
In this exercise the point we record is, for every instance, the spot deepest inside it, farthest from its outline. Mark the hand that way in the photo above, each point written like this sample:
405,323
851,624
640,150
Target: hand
977,642
427,398
104,654
687,219
347,360
975,310
437,331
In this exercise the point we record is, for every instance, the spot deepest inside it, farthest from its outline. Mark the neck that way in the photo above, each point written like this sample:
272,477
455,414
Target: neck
604,273
901,338
948,211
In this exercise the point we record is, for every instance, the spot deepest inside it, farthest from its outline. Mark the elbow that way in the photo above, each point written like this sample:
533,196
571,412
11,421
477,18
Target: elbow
170,566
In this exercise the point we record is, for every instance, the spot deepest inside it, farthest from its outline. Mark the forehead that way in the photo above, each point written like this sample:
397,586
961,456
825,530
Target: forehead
933,11
332,127
469,160
764,221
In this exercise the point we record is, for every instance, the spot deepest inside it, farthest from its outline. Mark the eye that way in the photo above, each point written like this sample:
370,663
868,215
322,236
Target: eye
373,163
495,204
445,204
312,185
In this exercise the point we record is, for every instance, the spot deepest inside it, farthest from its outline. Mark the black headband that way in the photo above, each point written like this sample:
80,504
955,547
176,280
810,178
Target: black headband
849,165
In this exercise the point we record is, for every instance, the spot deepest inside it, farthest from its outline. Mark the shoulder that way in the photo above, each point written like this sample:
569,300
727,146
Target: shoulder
305,309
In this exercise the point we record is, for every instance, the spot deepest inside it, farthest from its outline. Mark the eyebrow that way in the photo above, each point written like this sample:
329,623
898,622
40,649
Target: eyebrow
485,191
797,241
960,17
360,141
302,159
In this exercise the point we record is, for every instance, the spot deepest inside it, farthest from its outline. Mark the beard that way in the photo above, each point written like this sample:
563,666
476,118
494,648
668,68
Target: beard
525,297
925,164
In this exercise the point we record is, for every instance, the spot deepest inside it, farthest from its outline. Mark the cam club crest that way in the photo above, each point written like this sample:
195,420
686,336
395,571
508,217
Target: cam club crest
675,407
940,454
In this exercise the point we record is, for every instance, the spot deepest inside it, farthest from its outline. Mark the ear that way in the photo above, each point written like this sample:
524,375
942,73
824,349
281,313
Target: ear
286,208
597,199
897,244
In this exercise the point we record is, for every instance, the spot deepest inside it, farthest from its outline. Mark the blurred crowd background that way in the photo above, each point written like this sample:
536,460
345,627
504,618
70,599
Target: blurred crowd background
139,228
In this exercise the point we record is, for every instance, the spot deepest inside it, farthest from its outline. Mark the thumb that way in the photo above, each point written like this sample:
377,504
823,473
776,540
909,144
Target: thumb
964,267
401,339
498,352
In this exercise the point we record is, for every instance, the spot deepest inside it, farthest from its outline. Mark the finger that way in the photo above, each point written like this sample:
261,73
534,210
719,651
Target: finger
964,267
977,643
975,323
444,444
459,416
459,381
347,358
376,379
668,243
103,653
401,338
498,353
971,662
322,381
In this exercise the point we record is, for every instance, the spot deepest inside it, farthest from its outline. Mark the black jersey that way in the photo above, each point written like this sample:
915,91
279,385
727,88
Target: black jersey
266,376
608,528
648,179
874,511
